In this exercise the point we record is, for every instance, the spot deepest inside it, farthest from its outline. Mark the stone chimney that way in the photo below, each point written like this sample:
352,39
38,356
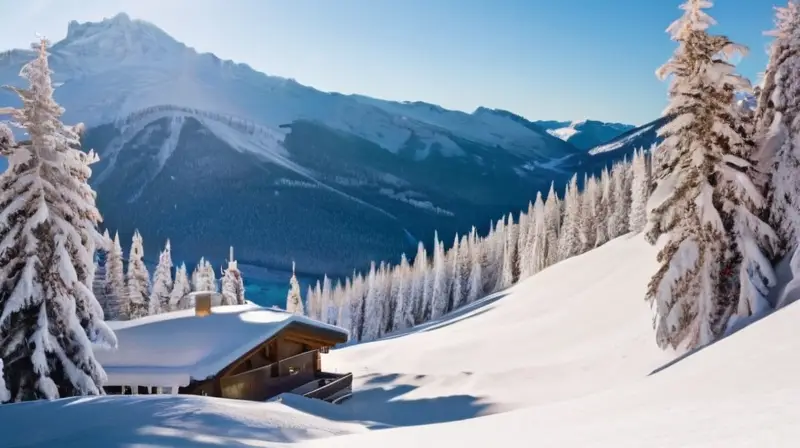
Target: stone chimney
202,304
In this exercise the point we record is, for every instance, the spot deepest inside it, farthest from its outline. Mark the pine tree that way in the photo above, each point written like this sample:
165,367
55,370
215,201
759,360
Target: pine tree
569,243
116,294
588,222
465,266
373,305
294,302
345,310
523,256
137,280
48,313
602,210
338,300
357,308
418,281
180,287
507,266
441,280
385,295
233,283
619,214
552,217
210,277
403,312
475,281
704,199
162,282
640,192
539,235
326,301
777,126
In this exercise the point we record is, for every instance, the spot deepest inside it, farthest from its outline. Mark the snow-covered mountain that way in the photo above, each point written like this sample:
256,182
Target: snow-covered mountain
589,373
585,134
211,153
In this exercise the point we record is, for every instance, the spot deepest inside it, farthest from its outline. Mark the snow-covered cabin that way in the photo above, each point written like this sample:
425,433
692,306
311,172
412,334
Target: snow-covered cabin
237,351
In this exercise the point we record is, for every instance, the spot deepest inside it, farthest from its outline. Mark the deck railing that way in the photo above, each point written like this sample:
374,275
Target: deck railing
332,388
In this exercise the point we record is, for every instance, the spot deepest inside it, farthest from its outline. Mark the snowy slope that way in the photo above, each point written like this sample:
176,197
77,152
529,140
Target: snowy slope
564,359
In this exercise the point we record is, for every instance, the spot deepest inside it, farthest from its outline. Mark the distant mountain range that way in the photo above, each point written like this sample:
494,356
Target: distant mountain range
210,153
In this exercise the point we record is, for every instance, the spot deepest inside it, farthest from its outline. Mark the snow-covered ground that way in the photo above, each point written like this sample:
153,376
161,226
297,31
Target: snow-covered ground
564,359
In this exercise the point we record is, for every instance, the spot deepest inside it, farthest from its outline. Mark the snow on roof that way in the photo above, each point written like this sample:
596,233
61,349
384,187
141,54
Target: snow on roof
171,349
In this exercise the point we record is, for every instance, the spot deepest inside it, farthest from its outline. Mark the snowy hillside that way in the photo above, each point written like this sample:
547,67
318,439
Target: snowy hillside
181,133
586,134
566,358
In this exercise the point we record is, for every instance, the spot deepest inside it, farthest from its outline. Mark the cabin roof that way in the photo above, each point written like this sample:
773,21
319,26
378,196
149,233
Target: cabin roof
171,349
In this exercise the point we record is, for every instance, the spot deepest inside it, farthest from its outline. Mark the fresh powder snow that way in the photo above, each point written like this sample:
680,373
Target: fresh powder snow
564,359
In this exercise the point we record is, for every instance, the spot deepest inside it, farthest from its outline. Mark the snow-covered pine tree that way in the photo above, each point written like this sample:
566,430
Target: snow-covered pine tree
116,294
552,219
311,300
48,313
316,305
612,212
619,216
357,307
523,256
507,267
418,281
475,280
588,224
233,283
497,245
345,311
702,201
137,280
211,277
294,302
385,295
337,300
778,127
423,313
180,287
438,278
326,299
162,282
539,234
640,192
569,242
457,293
404,309
373,305
441,281
465,266
602,211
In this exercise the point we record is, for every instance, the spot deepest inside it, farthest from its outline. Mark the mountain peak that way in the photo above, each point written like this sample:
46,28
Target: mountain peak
120,36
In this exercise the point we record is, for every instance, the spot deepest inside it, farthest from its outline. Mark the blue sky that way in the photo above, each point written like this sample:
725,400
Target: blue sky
544,59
